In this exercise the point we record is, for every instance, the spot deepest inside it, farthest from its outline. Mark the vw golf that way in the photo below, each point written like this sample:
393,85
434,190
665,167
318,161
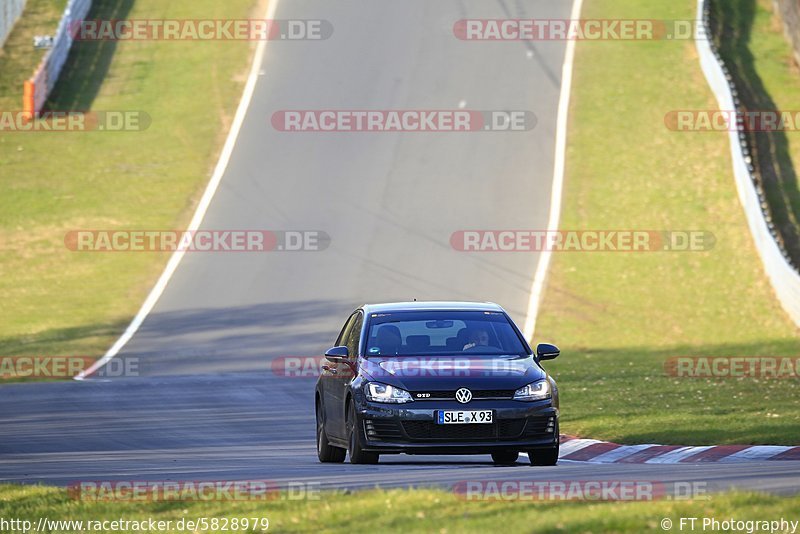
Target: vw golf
435,378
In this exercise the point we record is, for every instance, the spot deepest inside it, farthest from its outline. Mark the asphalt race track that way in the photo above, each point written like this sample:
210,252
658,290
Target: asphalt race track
389,201
208,405
257,426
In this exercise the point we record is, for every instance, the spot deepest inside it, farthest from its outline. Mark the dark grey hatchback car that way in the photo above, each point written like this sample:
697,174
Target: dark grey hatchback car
435,378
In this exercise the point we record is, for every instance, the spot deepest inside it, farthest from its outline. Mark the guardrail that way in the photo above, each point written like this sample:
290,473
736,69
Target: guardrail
10,11
38,87
782,275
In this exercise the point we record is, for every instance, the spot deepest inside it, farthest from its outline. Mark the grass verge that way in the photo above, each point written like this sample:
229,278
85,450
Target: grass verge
57,302
619,316
406,511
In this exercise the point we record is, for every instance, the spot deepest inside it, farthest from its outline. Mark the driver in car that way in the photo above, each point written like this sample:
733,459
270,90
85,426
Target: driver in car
478,337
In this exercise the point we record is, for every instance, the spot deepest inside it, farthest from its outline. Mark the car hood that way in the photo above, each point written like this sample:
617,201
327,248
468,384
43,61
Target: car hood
447,373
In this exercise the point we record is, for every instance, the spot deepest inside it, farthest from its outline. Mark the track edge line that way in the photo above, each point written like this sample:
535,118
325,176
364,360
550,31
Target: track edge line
200,211
537,287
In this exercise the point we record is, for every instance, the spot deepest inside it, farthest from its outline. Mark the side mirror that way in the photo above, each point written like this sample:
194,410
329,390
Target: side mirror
337,354
546,351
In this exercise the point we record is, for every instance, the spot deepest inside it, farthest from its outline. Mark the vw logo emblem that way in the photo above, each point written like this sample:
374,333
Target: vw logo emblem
463,395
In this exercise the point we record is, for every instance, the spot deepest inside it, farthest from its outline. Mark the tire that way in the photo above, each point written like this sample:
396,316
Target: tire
543,457
326,452
505,458
357,454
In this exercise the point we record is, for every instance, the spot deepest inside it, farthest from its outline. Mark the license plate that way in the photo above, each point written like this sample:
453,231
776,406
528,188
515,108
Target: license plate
445,417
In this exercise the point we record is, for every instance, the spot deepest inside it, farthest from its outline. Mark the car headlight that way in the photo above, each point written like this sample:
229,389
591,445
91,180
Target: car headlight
377,392
537,391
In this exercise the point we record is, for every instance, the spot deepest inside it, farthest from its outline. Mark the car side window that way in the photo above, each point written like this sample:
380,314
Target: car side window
354,336
345,333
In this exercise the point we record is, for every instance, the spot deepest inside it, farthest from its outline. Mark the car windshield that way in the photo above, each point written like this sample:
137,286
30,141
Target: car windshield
415,333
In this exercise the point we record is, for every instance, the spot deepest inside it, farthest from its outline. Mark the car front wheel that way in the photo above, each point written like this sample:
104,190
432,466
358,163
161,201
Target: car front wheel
505,458
541,457
357,454
326,452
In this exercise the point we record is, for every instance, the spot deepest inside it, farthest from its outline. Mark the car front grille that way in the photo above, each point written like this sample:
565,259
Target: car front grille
476,395
501,429
383,430
392,430
540,427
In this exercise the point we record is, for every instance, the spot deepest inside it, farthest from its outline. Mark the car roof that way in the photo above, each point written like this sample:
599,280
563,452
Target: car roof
431,306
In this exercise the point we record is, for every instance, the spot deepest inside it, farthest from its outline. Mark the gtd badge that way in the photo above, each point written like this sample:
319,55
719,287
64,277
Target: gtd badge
423,395
463,395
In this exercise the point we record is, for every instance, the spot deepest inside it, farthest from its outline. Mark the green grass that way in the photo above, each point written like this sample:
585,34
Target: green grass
65,303
752,43
618,316
408,511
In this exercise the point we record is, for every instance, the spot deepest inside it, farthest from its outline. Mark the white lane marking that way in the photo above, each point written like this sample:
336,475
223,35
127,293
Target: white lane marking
575,445
618,454
558,178
754,453
202,207
673,457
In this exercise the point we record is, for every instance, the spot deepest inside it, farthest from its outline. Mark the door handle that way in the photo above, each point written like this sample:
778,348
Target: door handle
329,369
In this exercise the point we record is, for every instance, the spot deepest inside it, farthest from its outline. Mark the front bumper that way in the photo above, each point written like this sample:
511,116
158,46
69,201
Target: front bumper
411,429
